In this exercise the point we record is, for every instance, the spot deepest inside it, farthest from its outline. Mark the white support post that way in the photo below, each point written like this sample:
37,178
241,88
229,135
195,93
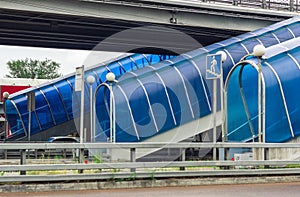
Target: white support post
29,125
31,107
91,115
79,87
82,111
110,77
259,51
114,118
91,80
110,113
259,103
215,117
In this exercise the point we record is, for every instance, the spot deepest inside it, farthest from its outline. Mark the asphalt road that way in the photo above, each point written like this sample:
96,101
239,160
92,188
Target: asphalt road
255,190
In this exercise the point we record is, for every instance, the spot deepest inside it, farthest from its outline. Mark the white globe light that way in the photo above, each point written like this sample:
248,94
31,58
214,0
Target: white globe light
259,50
90,79
5,95
223,55
110,77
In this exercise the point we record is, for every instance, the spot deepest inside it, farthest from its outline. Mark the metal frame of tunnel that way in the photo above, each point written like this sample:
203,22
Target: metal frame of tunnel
111,110
261,99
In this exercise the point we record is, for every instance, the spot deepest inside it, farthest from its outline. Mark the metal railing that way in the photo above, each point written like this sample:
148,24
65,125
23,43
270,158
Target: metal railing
26,171
279,5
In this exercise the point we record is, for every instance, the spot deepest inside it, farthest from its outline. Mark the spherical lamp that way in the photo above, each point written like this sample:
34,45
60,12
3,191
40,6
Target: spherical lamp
110,77
5,95
223,55
259,50
90,79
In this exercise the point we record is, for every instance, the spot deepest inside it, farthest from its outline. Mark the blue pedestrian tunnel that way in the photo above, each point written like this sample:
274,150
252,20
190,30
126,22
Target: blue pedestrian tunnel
273,114
154,97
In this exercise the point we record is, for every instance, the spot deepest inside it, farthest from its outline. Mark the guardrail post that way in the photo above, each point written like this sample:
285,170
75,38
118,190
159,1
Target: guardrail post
227,153
5,154
267,156
81,158
23,160
182,158
226,157
132,157
35,153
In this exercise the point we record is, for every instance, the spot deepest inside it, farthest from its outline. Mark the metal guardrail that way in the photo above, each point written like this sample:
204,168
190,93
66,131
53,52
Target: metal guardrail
38,145
133,170
148,175
279,5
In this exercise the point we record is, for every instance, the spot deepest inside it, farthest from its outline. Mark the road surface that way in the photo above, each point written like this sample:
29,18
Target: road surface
255,190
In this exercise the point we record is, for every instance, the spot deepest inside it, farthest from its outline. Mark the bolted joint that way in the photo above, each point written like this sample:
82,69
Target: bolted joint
173,20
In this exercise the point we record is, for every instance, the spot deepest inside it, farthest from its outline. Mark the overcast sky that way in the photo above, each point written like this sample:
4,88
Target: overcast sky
69,59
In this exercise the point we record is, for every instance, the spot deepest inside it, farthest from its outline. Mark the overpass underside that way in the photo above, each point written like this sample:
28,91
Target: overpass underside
77,24
76,32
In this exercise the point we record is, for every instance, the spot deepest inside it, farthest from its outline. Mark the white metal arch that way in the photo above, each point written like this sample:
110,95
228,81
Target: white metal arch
166,92
291,31
185,88
190,58
148,99
283,97
262,114
130,111
48,104
62,101
22,122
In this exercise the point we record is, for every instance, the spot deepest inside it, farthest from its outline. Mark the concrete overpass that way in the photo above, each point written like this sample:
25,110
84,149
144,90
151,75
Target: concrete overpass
82,24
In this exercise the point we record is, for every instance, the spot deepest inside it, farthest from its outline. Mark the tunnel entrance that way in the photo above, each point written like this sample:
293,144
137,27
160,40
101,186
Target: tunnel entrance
242,103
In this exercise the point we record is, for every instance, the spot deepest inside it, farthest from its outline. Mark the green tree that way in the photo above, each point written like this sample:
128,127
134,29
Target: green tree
34,69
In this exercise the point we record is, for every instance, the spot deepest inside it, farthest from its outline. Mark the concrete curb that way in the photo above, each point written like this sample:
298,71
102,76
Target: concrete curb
9,188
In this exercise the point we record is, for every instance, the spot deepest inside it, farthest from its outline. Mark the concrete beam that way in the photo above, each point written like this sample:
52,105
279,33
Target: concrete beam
83,24
171,12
